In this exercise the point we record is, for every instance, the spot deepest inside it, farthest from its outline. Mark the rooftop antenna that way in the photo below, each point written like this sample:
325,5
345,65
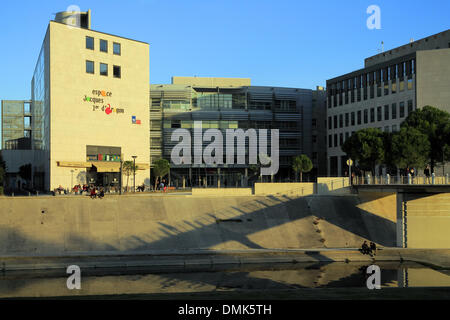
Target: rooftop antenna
382,47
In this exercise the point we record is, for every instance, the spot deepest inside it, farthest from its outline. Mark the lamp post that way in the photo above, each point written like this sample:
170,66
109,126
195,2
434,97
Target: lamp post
134,173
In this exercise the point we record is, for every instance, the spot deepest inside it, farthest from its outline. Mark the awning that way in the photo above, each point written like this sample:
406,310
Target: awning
107,166
74,164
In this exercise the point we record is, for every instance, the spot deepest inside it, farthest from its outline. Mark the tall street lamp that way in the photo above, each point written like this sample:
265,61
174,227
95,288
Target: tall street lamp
134,173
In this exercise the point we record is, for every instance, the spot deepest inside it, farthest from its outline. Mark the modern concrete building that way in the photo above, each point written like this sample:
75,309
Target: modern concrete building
89,106
382,94
232,103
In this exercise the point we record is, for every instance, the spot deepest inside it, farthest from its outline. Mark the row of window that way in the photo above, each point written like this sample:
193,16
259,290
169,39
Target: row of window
378,114
365,93
338,140
103,44
103,69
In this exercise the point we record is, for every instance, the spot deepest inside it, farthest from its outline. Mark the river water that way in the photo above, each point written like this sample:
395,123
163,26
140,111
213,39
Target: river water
248,278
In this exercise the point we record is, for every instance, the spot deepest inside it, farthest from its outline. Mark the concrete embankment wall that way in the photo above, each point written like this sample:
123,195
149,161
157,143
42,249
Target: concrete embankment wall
427,219
61,225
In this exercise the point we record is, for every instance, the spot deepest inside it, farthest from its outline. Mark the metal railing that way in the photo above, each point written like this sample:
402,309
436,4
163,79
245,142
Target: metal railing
402,180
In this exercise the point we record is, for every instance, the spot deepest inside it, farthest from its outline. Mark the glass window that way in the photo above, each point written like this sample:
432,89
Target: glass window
386,112
394,87
372,114
103,69
379,114
329,123
359,117
89,66
330,142
103,45
394,111
116,48
353,118
386,88
89,43
335,121
410,84
401,85
394,128
341,121
341,139
366,116
116,71
335,140
386,129
402,109
347,119
410,106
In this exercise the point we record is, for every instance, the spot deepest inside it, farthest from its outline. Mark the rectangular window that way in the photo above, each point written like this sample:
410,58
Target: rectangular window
359,117
386,88
378,89
401,85
116,48
366,116
372,114
341,139
116,71
394,87
329,123
347,119
330,142
341,121
103,69
386,129
346,136
386,112
335,122
90,43
335,140
103,45
394,128
379,114
89,66
410,106
402,109
394,111
353,118
410,84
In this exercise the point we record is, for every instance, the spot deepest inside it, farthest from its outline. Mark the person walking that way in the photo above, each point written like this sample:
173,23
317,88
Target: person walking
364,248
93,193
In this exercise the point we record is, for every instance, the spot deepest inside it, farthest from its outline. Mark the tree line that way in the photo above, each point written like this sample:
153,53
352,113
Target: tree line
423,138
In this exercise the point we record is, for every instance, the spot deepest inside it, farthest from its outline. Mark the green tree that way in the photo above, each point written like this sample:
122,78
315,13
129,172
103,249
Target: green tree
367,147
301,164
435,124
410,148
160,169
128,169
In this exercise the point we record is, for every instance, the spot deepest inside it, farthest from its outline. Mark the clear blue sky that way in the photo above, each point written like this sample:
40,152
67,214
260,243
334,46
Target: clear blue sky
279,43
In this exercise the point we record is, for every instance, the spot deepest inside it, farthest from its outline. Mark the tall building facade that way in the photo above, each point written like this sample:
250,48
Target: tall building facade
231,103
89,107
391,85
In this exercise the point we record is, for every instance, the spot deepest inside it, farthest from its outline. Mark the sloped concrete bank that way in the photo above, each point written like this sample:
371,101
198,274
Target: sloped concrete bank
60,226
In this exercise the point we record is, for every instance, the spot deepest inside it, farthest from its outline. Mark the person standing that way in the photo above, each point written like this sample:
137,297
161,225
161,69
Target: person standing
426,172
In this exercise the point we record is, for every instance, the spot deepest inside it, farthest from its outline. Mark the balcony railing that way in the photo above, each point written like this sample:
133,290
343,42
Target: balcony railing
402,180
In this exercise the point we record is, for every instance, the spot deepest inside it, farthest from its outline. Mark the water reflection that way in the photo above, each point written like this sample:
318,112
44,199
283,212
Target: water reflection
225,278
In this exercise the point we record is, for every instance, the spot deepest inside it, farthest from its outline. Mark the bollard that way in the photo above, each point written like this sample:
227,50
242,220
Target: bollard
432,178
409,178
388,179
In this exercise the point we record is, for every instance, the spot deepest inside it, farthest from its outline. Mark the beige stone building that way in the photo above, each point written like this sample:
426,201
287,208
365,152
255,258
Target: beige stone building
90,104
